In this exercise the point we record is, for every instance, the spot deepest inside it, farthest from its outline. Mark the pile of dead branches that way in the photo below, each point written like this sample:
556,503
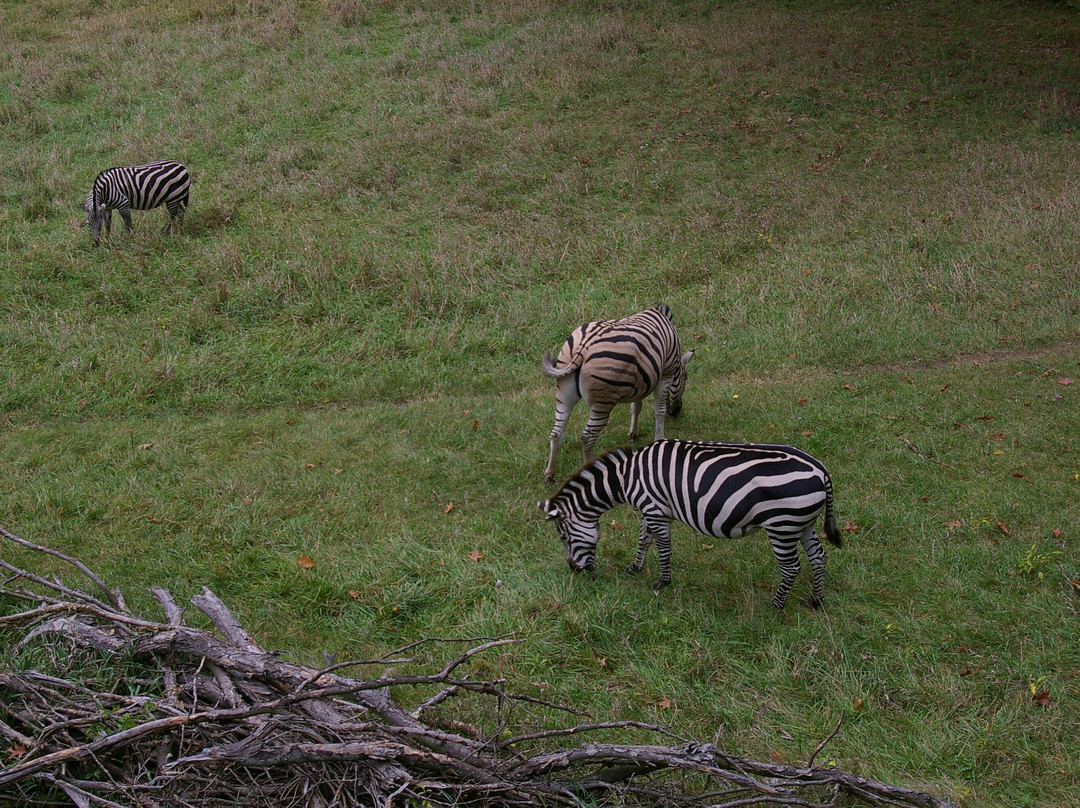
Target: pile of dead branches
208,718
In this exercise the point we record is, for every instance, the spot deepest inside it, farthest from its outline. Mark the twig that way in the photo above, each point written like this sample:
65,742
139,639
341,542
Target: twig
114,596
923,455
825,740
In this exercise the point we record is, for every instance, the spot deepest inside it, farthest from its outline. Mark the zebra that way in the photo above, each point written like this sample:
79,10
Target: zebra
127,188
609,362
726,490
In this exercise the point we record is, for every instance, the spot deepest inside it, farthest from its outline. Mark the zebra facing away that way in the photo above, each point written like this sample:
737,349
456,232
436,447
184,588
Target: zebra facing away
609,362
727,490
127,188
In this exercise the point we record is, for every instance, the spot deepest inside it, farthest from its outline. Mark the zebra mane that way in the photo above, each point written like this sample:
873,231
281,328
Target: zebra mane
608,460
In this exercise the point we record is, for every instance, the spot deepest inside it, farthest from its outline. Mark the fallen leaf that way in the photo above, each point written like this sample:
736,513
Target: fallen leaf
1065,382
986,418
849,387
953,525
354,594
664,703
336,471
807,433
857,703
309,465
449,507
850,527
969,671
1042,698
802,401
16,751
615,525
601,661
305,562
475,556
1056,532
998,436
475,424
1075,583
144,446
1004,528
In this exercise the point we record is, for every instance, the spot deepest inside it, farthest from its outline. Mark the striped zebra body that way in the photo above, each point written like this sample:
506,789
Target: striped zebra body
127,188
726,490
610,362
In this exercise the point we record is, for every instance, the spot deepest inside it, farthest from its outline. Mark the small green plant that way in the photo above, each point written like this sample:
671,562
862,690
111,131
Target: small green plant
1033,562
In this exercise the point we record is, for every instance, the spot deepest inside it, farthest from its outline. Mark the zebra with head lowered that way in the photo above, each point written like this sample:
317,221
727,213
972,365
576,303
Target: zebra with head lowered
727,490
609,362
127,188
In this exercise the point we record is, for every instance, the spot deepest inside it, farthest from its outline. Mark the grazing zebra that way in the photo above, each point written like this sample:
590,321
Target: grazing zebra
609,362
127,188
727,490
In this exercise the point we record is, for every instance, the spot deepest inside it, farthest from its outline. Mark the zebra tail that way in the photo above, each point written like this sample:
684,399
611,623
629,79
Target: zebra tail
832,533
554,371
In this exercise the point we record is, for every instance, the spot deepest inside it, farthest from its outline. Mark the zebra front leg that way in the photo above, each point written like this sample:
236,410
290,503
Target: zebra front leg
643,545
125,214
598,418
566,398
815,553
786,552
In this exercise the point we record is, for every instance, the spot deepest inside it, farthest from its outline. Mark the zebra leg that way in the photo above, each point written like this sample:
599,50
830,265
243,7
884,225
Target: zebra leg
660,407
635,410
816,555
176,213
661,530
566,398
598,418
125,214
108,221
786,552
643,545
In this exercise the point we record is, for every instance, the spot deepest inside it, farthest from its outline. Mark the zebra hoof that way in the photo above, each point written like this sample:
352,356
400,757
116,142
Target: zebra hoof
660,585
815,604
631,570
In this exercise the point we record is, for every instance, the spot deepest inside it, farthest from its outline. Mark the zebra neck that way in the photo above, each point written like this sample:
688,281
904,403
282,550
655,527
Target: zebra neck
608,487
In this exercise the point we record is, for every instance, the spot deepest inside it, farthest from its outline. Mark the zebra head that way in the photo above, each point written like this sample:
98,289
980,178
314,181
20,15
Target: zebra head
678,385
95,215
579,536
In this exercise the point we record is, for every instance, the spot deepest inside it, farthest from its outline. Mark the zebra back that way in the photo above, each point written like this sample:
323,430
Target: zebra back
623,360
729,489
143,187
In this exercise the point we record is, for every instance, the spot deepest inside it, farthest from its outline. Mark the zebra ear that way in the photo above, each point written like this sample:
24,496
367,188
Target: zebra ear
550,512
686,357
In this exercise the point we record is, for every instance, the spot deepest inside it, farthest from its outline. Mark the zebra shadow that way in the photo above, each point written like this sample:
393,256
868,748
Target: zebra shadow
205,220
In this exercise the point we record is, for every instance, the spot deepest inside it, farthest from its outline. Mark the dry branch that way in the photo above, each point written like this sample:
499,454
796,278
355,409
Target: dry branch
210,719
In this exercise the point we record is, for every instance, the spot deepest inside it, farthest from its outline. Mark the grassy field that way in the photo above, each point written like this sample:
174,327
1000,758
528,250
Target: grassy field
865,216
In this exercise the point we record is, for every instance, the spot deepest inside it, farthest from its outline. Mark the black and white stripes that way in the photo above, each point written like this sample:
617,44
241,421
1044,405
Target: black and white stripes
727,490
609,362
127,188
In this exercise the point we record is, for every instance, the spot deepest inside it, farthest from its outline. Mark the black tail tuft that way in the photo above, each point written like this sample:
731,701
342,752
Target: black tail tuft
831,531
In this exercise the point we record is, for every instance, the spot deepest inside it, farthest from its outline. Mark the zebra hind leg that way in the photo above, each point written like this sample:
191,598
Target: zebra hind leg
566,398
786,552
644,543
816,555
598,418
176,214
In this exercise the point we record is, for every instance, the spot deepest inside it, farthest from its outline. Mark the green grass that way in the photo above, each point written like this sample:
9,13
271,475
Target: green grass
865,217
